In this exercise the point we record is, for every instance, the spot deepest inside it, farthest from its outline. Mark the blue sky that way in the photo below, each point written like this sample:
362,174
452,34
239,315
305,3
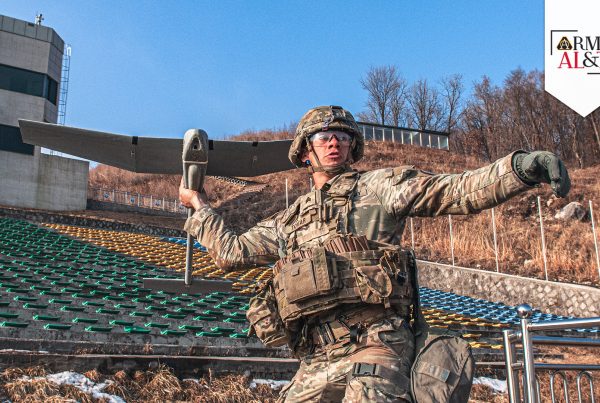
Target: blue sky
157,68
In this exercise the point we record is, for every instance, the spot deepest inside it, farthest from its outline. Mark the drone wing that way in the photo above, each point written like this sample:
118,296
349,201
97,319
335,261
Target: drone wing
158,155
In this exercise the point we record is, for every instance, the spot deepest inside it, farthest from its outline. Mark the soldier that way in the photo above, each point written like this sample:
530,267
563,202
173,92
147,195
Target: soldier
343,290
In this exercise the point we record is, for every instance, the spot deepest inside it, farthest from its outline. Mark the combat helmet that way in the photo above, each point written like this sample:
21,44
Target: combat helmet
323,118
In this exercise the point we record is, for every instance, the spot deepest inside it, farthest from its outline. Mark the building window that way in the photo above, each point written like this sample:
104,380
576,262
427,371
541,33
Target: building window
444,142
10,140
28,82
368,133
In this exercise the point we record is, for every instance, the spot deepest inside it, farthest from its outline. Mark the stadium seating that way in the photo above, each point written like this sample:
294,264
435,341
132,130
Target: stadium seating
67,282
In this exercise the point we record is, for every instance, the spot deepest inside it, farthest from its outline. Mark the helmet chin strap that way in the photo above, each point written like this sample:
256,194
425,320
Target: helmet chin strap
330,169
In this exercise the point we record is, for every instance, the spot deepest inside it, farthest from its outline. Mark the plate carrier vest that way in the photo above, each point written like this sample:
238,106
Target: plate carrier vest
342,269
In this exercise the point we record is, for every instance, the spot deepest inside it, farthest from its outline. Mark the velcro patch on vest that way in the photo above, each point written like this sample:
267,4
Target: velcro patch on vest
300,222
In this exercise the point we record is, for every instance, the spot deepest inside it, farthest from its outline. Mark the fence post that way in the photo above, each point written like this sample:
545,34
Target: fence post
512,376
138,200
113,196
151,205
524,312
287,200
412,233
126,198
595,238
451,238
495,240
543,237
163,204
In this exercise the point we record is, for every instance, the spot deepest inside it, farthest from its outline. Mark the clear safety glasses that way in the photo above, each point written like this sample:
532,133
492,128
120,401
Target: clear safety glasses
322,138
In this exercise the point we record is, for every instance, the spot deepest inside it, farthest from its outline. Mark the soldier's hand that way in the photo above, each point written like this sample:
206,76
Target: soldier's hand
543,166
191,198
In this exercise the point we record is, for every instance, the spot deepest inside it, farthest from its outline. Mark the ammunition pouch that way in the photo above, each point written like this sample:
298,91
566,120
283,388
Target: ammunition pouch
309,277
315,280
264,317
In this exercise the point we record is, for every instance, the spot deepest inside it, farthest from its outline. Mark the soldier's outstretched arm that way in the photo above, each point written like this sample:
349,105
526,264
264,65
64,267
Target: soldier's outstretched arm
418,193
230,251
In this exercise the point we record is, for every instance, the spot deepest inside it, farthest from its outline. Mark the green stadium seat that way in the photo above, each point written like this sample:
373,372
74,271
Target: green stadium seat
56,326
136,329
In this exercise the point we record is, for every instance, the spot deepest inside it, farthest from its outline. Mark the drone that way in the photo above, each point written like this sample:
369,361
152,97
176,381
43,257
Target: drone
195,156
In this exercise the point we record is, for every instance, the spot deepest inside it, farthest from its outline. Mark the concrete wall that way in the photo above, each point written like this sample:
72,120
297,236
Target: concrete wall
23,106
548,296
18,179
43,181
62,183
23,52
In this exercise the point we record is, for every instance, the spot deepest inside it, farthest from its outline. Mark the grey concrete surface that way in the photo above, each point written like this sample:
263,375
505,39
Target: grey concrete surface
548,296
62,183
43,181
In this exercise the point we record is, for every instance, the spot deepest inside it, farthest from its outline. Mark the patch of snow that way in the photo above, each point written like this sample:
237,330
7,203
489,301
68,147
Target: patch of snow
11,350
271,382
82,383
497,385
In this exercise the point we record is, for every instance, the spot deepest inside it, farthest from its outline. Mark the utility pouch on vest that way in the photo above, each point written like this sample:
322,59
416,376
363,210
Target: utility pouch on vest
443,369
264,317
374,284
310,277
399,263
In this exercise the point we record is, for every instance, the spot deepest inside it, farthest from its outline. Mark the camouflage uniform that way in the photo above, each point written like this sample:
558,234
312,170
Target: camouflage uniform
377,205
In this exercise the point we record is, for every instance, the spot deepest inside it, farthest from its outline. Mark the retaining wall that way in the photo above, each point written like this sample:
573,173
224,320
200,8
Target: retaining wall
43,181
548,296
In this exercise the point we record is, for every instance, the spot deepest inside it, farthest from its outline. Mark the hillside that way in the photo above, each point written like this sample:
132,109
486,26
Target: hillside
571,255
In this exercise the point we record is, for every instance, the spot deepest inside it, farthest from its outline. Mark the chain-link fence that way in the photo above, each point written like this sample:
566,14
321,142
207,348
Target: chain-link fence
136,200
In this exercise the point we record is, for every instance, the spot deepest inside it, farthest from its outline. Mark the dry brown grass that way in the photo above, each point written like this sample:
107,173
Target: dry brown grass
161,385
571,255
484,394
158,385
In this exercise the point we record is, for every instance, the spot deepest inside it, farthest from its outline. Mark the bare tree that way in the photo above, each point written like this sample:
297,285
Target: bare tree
483,119
383,85
452,89
424,106
398,103
593,119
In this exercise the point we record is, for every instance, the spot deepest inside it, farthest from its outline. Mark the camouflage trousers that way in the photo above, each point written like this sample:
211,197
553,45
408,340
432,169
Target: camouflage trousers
343,371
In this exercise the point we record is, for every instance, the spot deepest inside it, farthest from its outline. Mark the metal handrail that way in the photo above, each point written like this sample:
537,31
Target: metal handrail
531,393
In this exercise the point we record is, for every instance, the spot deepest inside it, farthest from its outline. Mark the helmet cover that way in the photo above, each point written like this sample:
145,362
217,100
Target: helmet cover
323,118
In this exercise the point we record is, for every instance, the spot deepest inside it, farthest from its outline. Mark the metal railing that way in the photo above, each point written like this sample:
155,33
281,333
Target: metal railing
136,200
403,135
530,389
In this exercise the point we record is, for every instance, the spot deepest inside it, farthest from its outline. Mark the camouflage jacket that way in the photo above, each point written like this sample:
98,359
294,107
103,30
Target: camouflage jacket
380,202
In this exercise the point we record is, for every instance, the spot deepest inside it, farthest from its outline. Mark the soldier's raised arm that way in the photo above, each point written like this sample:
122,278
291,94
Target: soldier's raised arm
417,193
230,251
